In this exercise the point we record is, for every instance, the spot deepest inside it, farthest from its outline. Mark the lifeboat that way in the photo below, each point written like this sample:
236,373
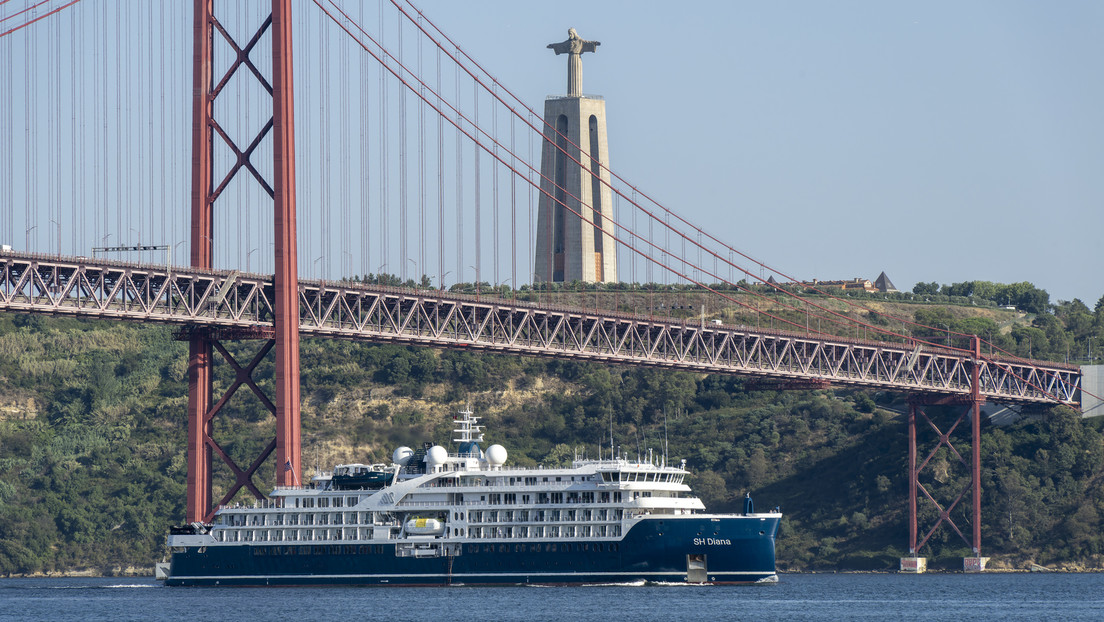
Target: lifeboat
424,527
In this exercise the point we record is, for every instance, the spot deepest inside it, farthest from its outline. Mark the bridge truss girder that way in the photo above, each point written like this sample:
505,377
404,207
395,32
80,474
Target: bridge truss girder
244,302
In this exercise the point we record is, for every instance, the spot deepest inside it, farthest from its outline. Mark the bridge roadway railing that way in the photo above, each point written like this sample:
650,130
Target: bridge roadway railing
234,301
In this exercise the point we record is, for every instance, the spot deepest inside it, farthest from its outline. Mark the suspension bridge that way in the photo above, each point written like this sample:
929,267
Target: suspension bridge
410,155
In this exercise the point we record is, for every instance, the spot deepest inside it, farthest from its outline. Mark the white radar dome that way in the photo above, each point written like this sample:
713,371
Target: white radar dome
402,455
437,455
496,455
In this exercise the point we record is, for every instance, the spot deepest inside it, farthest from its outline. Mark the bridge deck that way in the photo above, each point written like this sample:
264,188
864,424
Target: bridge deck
234,303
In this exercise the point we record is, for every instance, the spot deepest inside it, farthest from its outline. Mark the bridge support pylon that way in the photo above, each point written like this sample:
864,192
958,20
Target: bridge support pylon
970,405
284,336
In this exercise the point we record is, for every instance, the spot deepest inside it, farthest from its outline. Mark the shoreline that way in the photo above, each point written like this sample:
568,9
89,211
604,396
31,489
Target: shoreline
86,573
148,572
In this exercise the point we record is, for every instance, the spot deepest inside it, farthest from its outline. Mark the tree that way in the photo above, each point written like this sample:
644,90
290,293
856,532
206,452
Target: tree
926,289
1025,297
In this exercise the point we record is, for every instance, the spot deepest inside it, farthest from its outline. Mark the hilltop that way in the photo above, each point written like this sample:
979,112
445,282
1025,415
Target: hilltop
93,468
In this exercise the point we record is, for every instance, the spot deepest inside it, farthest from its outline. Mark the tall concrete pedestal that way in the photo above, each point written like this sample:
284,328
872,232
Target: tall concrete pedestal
575,217
569,248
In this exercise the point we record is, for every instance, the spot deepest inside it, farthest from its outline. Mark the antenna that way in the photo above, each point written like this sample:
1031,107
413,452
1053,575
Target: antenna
664,434
611,436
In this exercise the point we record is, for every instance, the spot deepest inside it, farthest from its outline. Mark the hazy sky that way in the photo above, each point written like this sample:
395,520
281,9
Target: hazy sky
938,141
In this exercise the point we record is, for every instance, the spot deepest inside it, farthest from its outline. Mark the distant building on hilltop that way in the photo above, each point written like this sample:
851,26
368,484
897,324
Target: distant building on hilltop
855,284
880,284
883,284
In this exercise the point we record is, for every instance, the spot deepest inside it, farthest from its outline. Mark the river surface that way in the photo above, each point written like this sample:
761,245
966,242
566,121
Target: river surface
1035,596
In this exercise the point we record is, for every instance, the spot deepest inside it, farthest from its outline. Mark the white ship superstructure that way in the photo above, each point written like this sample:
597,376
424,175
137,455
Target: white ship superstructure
468,508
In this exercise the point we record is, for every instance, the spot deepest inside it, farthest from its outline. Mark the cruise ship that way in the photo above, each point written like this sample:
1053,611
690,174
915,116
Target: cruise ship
435,517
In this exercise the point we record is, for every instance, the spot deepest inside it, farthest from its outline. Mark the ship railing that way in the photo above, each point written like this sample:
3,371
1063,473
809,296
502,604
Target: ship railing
432,504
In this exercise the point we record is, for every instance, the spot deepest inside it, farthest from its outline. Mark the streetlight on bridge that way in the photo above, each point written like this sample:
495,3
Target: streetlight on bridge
59,235
172,253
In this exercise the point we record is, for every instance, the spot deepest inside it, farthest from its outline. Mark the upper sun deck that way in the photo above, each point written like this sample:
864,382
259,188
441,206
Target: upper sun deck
609,474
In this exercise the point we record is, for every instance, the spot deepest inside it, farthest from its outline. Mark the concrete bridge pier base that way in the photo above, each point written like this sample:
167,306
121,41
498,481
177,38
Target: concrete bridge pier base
914,565
974,564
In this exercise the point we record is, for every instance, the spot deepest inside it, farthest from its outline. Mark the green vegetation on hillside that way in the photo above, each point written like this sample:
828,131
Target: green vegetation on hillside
93,466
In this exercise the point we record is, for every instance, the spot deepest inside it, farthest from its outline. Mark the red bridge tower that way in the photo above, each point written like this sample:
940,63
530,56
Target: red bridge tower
202,407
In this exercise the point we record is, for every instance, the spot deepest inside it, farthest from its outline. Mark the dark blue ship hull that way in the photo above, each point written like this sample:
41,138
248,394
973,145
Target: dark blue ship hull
730,549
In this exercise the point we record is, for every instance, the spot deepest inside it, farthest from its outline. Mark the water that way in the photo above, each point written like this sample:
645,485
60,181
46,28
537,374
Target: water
1004,597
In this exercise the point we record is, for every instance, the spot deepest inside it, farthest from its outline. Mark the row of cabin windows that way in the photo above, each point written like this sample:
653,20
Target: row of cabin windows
574,497
553,498
280,519
325,502
335,549
510,516
355,518
294,535
532,481
560,498
547,531
516,531
519,481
